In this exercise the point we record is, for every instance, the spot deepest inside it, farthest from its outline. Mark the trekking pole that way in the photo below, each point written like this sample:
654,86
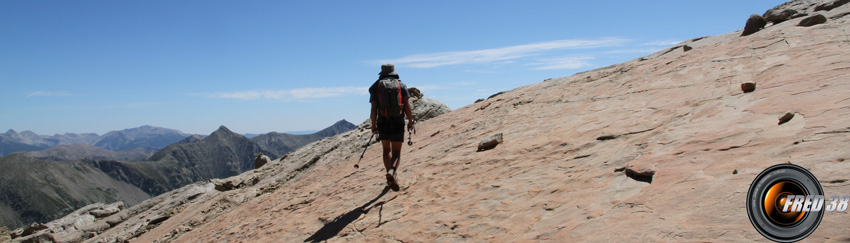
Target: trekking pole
410,143
364,150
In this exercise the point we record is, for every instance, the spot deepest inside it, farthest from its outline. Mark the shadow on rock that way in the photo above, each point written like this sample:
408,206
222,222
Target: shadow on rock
333,228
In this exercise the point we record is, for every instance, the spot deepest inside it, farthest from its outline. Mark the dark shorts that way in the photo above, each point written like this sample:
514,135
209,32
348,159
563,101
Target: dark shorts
391,128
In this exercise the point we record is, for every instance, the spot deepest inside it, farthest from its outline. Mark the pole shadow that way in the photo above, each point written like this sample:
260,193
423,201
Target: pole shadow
339,223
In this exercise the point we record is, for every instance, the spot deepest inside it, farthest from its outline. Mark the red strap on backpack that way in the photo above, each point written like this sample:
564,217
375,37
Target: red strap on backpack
400,104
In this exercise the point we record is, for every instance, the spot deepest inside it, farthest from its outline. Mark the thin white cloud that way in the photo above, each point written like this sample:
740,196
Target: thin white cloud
562,63
290,94
662,43
503,54
49,94
640,50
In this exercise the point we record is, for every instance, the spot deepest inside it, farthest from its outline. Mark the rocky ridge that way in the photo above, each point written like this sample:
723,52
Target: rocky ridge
33,189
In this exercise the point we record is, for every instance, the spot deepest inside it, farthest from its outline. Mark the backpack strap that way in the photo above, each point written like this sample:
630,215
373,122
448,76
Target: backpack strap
380,99
400,104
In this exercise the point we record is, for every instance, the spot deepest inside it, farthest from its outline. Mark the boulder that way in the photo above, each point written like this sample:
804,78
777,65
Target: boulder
230,183
829,5
261,160
29,230
415,93
226,185
776,16
754,24
107,211
813,20
800,8
490,142
427,108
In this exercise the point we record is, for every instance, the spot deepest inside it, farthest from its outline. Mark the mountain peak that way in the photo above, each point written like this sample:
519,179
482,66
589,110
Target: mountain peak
337,128
11,131
223,132
343,123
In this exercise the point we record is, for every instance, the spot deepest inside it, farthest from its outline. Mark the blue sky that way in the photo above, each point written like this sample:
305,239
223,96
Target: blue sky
262,66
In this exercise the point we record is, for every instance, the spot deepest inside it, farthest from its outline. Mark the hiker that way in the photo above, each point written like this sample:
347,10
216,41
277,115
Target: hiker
389,98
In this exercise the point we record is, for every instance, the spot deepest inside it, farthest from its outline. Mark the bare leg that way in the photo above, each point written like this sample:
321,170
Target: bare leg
396,156
387,160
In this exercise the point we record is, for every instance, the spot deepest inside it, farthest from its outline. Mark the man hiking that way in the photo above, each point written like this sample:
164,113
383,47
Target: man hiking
390,105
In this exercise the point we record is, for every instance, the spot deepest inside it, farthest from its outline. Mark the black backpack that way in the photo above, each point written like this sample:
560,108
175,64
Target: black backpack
389,97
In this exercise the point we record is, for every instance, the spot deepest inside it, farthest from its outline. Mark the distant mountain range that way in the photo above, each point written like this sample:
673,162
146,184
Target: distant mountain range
82,151
278,144
140,137
35,189
149,137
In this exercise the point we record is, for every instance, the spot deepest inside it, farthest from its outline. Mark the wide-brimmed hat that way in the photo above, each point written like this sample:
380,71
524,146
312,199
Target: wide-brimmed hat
388,69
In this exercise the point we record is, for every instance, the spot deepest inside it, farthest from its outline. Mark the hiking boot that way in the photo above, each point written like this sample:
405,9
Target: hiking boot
391,182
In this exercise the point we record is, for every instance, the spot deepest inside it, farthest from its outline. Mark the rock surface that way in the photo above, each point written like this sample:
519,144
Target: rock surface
427,108
679,118
74,227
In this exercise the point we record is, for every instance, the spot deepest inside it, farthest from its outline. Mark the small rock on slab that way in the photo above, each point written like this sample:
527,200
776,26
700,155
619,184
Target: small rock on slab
813,20
787,117
490,142
643,174
748,87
